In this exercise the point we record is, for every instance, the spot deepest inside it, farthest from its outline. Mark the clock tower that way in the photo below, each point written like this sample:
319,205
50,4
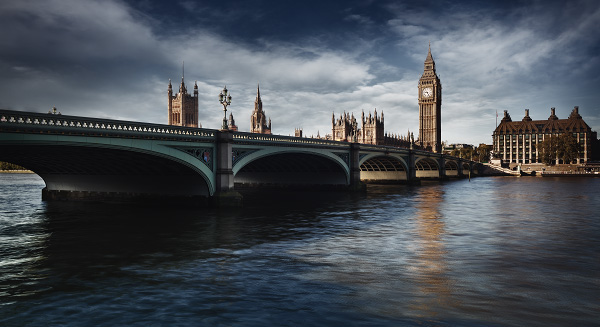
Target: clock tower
430,107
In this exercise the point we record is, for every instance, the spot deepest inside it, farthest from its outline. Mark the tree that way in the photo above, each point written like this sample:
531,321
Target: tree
547,149
568,149
563,147
466,153
483,152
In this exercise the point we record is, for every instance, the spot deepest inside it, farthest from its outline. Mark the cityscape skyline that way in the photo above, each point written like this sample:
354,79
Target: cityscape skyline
113,59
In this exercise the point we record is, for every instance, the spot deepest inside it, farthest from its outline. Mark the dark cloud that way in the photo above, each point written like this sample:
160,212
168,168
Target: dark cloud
114,59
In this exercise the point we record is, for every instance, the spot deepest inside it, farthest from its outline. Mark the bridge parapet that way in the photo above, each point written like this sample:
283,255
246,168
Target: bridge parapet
50,123
242,137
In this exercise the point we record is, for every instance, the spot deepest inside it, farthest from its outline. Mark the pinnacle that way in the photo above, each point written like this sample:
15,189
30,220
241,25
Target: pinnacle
429,56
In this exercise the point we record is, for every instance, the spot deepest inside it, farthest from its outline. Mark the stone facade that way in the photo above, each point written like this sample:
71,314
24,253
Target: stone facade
258,120
430,106
517,141
371,131
231,123
183,107
344,128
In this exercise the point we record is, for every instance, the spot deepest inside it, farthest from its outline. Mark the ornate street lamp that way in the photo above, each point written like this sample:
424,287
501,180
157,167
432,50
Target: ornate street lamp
225,100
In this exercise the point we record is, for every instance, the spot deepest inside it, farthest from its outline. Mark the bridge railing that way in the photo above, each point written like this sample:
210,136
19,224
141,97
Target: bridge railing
53,124
242,137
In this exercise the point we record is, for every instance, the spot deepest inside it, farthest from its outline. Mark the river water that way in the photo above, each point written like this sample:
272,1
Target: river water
494,251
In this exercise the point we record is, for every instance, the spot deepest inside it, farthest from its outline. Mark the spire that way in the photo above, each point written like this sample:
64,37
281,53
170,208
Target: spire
258,101
429,62
429,56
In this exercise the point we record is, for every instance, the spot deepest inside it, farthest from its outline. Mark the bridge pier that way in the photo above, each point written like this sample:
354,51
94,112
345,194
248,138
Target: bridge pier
411,173
442,165
461,173
225,194
355,183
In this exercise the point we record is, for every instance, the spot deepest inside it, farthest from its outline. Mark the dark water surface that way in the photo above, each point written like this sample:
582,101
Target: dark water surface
492,251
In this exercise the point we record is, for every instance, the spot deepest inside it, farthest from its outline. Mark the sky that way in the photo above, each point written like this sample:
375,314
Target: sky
114,58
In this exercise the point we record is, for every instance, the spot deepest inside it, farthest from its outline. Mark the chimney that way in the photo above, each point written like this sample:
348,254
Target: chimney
552,114
576,109
526,118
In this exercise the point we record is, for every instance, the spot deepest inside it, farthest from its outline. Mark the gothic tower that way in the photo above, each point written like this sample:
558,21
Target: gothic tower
258,120
372,131
430,107
183,107
345,128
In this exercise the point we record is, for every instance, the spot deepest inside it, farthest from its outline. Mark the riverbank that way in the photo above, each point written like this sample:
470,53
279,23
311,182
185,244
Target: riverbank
16,172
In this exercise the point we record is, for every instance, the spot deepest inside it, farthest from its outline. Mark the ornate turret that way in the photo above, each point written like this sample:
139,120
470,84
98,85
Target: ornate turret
258,121
231,123
183,107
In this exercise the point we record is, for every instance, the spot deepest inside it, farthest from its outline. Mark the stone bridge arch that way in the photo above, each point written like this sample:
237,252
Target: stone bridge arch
381,167
89,167
426,168
451,168
466,168
290,166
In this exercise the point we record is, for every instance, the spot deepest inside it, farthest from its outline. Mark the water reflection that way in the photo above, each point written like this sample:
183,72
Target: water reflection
432,281
458,253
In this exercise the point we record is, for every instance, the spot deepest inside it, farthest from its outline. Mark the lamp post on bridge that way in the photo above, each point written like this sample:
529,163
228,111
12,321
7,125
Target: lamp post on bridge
225,100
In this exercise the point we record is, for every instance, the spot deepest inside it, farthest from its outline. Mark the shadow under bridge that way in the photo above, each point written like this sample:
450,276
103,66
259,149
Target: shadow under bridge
295,169
77,170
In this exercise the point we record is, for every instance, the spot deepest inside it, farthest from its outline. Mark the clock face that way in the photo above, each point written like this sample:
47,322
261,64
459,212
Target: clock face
427,92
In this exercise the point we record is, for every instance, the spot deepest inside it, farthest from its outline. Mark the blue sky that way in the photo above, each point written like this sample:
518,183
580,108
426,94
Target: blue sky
113,59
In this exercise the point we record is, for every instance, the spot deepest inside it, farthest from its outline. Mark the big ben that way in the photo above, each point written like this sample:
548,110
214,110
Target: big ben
430,107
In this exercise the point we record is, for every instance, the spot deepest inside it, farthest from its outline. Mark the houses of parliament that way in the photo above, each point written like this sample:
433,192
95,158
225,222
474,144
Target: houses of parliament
371,129
183,111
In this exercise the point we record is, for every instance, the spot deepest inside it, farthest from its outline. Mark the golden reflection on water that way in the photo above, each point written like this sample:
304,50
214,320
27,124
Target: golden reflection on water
432,281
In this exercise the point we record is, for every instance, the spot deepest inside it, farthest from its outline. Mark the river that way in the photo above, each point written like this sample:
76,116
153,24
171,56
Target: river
493,251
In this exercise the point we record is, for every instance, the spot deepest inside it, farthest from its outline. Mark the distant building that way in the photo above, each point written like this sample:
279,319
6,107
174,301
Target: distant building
346,128
517,141
371,130
258,121
183,107
448,148
430,107
298,132
231,123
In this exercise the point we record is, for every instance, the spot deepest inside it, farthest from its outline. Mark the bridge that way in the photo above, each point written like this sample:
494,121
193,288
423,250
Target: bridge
91,158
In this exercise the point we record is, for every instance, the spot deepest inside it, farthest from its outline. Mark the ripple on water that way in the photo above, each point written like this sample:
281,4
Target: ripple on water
492,251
